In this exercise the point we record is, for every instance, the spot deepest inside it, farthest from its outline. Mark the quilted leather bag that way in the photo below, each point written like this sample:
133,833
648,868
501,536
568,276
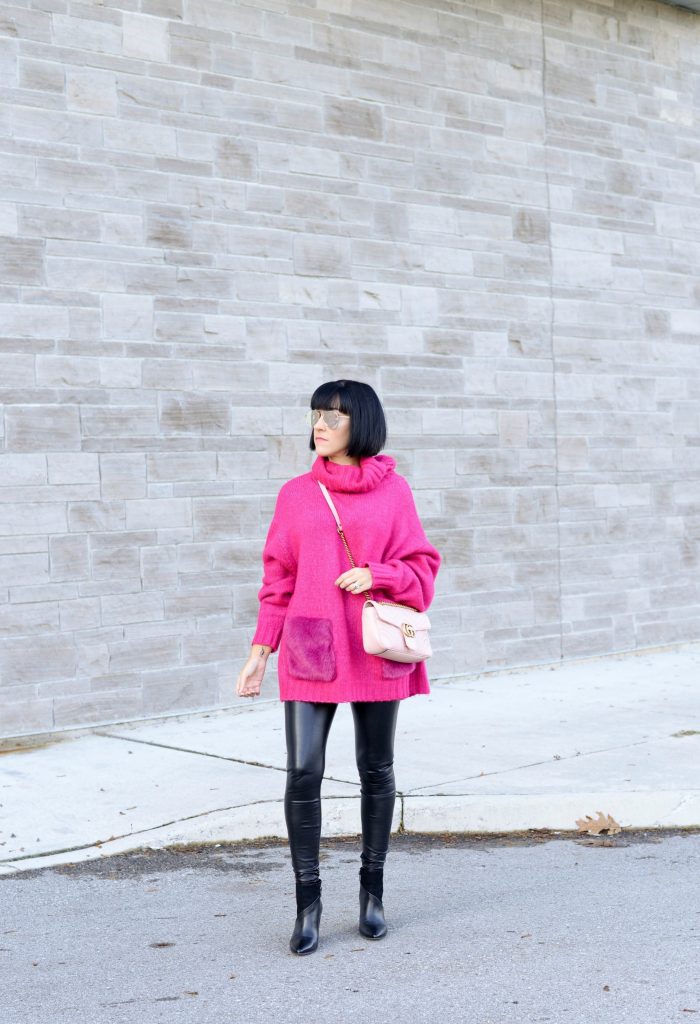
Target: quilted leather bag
389,630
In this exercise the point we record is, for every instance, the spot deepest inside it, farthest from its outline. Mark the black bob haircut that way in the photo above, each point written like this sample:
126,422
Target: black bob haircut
361,403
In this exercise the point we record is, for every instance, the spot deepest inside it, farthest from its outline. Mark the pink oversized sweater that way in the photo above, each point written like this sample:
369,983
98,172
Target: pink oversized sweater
317,625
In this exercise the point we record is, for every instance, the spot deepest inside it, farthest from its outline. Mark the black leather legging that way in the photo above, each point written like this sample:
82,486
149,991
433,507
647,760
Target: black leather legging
307,725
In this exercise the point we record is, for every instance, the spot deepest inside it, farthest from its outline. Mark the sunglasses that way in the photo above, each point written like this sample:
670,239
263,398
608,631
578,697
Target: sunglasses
331,417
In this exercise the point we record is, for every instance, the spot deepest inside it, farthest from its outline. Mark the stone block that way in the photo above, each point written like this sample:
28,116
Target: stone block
419,305
42,428
26,717
433,468
91,89
242,466
144,37
167,374
170,228
92,659
353,118
194,414
158,513
686,321
18,518
224,518
425,380
60,371
194,603
116,372
122,475
128,317
196,557
25,619
573,453
120,609
237,157
144,655
62,224
159,567
167,466
23,470
16,370
208,647
124,421
444,173
8,216
21,260
221,16
73,468
317,161
137,137
513,429
117,557
82,613
88,34
121,700
232,375
322,256
37,659
27,568
193,686
68,557
95,516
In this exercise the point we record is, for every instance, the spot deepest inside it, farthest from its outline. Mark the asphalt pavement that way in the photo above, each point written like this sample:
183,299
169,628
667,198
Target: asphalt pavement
566,931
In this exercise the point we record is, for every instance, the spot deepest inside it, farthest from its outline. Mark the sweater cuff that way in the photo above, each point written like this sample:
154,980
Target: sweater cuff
383,576
269,629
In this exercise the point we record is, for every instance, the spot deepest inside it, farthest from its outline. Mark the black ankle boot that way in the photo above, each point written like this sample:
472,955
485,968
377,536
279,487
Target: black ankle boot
372,923
305,935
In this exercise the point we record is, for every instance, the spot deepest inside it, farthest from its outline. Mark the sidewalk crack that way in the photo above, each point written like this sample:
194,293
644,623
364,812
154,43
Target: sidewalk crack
532,764
218,757
188,750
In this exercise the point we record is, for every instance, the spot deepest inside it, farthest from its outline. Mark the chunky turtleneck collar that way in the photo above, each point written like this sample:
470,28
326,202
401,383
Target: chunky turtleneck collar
364,477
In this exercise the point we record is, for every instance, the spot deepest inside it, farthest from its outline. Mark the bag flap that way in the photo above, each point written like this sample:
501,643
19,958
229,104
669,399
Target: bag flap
395,615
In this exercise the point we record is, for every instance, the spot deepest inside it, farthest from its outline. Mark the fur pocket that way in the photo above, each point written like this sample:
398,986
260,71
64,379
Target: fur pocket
394,669
310,650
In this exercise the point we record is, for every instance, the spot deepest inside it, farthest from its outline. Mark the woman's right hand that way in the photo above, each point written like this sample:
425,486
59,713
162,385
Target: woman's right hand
251,675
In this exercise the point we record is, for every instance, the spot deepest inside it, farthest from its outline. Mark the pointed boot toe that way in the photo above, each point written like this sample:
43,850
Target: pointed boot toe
305,935
372,923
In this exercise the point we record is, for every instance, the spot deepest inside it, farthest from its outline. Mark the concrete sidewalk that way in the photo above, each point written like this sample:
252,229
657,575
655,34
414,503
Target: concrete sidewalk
528,748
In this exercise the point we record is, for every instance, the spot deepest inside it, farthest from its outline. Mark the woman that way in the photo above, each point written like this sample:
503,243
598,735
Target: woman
311,608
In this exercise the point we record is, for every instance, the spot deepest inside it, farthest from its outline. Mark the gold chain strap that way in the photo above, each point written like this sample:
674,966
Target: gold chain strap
352,560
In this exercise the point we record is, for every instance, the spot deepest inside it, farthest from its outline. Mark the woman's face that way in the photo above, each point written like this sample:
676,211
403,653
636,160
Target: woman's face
332,442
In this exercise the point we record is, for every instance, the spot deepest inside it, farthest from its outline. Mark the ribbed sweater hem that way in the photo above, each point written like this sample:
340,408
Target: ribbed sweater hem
360,690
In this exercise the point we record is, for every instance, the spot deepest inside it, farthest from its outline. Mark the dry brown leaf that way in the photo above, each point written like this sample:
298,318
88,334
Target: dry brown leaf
594,826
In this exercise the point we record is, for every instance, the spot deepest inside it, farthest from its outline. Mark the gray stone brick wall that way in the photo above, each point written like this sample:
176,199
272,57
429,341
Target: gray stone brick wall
488,211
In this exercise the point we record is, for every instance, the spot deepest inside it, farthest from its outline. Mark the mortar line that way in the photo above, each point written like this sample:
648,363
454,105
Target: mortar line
550,250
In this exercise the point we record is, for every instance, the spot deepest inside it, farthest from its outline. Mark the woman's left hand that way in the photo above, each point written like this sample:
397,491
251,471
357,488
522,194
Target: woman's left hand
355,580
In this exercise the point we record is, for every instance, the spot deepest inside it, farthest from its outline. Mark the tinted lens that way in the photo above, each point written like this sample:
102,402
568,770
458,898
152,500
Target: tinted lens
330,418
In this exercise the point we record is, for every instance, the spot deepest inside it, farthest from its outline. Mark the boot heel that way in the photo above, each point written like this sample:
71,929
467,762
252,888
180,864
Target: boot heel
305,935
372,924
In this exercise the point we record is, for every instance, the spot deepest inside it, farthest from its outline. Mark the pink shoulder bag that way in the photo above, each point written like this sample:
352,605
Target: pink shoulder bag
389,630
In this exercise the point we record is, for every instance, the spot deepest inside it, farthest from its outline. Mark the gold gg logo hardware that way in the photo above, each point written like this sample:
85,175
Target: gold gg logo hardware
408,629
